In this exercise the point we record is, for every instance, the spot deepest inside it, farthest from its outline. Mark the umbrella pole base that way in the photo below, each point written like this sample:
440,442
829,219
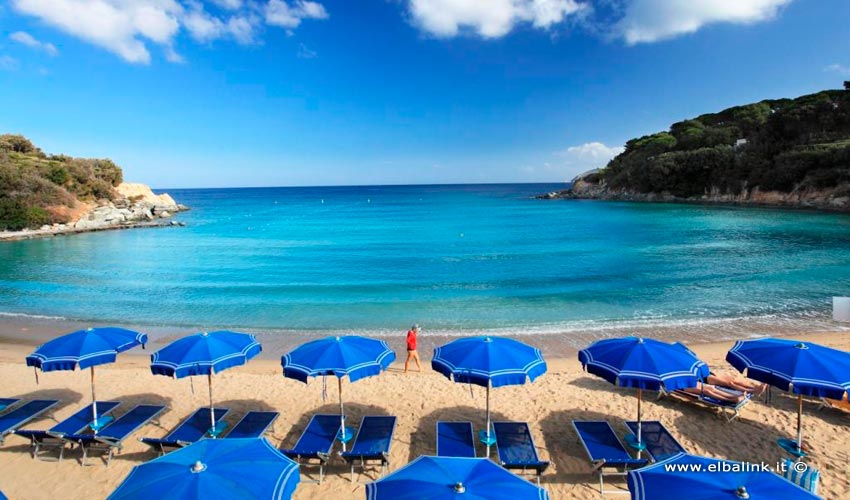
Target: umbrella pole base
790,447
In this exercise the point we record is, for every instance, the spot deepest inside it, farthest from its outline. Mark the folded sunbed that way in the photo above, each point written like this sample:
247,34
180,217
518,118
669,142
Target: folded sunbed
727,409
455,439
316,442
660,444
6,403
515,445
53,438
24,413
253,425
605,450
194,428
111,437
372,443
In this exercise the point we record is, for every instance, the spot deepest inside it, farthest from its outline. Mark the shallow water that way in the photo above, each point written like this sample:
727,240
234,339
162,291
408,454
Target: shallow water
455,259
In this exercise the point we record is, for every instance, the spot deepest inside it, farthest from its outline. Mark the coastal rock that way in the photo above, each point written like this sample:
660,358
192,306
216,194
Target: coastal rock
837,198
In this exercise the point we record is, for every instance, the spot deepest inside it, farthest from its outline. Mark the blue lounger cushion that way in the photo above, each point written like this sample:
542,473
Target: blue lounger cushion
516,448
190,430
75,424
7,402
660,444
112,436
455,439
318,438
118,430
24,413
603,446
373,439
253,425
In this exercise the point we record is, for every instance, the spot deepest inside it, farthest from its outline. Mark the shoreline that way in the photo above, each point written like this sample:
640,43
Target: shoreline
31,330
31,234
768,200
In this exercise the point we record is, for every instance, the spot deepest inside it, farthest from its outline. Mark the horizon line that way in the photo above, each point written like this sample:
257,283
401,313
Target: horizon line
434,184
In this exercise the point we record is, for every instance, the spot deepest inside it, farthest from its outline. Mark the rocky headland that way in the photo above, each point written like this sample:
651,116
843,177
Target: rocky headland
135,205
791,153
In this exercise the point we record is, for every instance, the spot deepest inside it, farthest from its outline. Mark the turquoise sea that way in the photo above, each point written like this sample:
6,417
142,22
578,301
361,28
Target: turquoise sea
456,259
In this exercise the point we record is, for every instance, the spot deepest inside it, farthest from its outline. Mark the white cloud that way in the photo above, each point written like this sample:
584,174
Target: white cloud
8,63
290,14
589,155
129,28
205,28
120,26
305,52
490,19
25,38
839,68
647,21
228,4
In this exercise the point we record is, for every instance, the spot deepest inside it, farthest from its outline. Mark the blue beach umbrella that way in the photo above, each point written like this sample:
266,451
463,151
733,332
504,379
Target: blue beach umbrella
438,478
488,362
214,469
86,349
205,354
352,356
804,368
643,364
703,478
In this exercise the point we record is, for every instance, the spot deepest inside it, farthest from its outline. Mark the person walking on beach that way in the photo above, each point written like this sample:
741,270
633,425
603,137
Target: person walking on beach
411,348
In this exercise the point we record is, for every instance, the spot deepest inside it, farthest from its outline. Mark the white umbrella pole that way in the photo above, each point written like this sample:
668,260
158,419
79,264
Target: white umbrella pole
640,398
488,418
799,422
341,414
212,410
93,399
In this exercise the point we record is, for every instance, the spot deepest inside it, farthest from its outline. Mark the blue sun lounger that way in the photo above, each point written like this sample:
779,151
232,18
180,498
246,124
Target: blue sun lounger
77,423
253,425
192,429
605,450
6,403
24,413
660,444
372,443
516,448
455,439
316,442
111,437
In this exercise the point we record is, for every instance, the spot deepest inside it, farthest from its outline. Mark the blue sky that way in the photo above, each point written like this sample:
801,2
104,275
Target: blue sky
184,93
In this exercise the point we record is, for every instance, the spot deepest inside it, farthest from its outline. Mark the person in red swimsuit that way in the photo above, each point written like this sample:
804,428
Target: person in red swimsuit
411,348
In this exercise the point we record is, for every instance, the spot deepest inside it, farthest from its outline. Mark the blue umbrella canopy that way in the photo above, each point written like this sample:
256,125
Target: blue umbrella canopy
86,349
643,364
489,362
205,353
804,368
353,356
703,478
213,469
453,478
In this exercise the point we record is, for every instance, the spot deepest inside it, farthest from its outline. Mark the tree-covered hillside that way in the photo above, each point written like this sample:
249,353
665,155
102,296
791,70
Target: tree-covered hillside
38,188
780,145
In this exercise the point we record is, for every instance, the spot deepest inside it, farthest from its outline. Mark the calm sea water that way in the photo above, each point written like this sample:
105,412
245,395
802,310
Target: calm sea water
452,258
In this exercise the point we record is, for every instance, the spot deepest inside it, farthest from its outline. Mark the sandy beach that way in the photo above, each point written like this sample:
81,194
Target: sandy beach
418,400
